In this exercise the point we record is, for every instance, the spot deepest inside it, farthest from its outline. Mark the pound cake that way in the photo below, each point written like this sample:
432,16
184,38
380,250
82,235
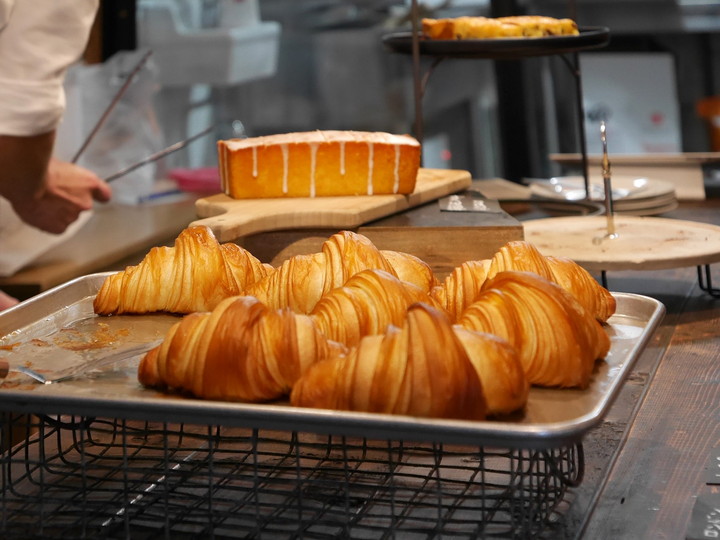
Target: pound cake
319,164
501,27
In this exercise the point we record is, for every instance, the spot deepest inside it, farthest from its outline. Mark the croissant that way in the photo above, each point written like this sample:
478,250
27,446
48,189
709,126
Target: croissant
367,304
420,369
241,351
577,281
412,269
463,285
557,339
193,275
302,280
498,365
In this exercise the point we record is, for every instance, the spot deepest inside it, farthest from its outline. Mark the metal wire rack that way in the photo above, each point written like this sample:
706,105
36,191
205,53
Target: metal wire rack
77,477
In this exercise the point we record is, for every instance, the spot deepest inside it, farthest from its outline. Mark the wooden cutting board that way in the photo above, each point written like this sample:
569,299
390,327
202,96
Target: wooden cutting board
230,218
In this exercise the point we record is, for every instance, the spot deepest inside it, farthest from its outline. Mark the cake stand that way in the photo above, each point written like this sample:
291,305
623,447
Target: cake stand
416,44
639,243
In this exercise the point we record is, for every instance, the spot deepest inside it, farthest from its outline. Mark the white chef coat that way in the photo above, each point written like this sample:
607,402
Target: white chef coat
39,39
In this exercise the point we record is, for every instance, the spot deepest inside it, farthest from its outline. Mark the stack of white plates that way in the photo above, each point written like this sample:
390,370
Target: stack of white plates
631,195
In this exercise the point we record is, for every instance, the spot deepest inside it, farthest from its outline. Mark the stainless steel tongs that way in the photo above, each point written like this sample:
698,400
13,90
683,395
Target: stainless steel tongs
82,369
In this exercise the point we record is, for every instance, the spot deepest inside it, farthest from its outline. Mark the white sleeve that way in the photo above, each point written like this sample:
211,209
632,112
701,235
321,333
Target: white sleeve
39,40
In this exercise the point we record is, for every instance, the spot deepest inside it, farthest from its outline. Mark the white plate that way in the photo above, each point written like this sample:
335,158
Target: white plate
572,188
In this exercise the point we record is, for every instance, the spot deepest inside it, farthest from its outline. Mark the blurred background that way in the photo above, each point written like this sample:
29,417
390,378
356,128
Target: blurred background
268,66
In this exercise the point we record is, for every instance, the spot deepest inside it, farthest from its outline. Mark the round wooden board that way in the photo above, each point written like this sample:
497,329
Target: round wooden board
643,243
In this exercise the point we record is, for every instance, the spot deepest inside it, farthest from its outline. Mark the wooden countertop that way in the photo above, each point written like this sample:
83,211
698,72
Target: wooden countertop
644,465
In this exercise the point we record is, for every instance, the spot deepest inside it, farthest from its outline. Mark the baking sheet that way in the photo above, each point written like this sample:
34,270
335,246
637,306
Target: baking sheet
58,329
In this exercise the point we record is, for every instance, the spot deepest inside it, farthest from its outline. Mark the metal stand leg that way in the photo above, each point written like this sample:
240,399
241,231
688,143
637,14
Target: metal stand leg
705,281
603,278
574,67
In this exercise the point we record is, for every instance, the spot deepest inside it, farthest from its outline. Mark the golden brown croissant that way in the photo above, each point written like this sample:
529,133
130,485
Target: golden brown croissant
411,269
463,285
525,257
557,339
367,304
577,281
302,280
193,275
501,373
420,369
241,351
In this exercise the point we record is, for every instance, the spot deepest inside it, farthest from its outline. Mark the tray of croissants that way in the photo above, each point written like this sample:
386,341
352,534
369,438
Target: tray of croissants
520,349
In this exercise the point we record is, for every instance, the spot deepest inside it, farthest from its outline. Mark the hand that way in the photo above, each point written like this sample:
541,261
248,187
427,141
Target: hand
6,301
69,190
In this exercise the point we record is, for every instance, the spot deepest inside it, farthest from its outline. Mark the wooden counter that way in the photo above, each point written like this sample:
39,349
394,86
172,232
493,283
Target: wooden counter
644,465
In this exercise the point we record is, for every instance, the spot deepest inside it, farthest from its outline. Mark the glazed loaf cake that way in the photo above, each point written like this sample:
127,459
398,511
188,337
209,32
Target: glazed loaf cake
318,164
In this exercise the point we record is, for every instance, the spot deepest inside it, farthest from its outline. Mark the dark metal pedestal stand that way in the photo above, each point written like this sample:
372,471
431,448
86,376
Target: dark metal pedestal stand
497,49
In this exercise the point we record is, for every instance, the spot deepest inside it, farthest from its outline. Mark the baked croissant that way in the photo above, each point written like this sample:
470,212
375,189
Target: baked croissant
193,275
302,280
241,351
367,304
501,373
557,339
463,285
412,269
420,369
577,281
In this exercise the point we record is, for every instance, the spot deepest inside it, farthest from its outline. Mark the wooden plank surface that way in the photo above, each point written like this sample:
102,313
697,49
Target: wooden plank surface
657,470
230,218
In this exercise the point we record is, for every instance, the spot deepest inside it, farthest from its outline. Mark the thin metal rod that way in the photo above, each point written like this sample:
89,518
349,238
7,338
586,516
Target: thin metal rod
157,155
580,106
111,106
606,174
417,86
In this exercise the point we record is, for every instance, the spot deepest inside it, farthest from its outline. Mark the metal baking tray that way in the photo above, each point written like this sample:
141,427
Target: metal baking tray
58,329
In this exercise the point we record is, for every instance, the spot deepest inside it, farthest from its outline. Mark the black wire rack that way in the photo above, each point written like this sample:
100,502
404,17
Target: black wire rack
77,477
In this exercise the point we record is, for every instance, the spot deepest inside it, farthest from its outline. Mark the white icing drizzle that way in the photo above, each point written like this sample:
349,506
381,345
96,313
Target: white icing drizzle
371,164
254,154
284,150
342,158
396,184
313,161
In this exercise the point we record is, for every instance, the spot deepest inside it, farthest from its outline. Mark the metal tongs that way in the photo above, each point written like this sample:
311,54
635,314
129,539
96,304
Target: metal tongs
82,369
106,113
607,184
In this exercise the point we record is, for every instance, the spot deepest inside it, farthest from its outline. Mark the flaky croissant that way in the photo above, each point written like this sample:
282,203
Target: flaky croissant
300,282
411,269
501,373
420,369
241,351
463,285
366,304
557,339
193,275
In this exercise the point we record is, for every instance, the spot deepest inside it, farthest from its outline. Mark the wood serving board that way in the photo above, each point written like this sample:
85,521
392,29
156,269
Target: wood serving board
230,219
